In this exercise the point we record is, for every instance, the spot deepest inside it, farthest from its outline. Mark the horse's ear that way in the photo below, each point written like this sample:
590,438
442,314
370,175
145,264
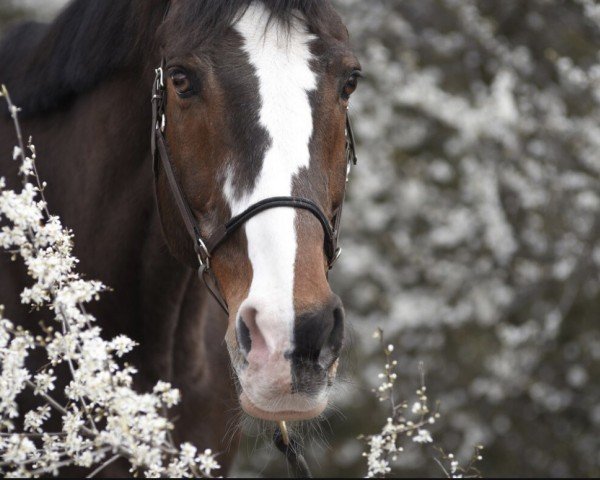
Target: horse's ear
173,229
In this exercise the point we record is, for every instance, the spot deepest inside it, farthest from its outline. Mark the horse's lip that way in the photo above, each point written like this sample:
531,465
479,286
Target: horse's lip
287,416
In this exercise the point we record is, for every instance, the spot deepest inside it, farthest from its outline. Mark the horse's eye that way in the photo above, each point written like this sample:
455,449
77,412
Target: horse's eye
351,85
181,82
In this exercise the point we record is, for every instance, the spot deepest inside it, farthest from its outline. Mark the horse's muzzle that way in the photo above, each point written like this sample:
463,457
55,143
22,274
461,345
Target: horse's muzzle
289,378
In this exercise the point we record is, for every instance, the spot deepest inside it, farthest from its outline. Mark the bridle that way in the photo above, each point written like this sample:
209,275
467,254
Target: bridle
206,247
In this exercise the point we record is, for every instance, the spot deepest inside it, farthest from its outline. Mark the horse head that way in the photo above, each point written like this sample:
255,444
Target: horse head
251,107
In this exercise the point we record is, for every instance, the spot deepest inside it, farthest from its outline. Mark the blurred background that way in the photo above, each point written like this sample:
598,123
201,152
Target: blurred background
471,233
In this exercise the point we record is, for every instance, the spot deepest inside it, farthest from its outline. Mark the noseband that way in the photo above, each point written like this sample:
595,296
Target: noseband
206,247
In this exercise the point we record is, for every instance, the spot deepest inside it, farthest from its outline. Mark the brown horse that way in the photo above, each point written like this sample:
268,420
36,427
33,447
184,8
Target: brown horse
255,100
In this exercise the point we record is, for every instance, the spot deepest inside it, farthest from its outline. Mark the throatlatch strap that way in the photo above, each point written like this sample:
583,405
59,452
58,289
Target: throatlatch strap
191,224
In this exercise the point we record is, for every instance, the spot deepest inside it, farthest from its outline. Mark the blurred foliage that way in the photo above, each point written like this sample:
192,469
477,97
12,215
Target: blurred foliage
474,222
471,234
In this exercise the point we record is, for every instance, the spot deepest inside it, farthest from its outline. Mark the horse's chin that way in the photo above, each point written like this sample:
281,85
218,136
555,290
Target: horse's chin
282,415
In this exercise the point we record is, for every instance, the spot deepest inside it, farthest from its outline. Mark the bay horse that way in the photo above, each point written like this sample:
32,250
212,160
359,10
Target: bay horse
249,110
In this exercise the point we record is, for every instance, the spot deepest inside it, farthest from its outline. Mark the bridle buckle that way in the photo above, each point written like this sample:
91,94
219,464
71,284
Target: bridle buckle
203,255
158,96
160,79
336,256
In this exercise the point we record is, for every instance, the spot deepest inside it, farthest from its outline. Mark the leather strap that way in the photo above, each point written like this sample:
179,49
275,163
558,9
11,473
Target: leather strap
351,160
223,234
159,145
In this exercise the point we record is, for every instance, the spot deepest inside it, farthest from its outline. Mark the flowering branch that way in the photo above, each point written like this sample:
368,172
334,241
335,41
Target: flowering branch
104,419
384,448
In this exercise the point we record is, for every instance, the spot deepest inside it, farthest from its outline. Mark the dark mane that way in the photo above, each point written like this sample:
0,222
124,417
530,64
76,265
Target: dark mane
204,19
44,66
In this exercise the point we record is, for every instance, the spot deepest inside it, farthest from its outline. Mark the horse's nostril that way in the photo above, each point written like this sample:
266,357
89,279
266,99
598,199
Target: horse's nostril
331,350
243,336
251,340
336,337
319,336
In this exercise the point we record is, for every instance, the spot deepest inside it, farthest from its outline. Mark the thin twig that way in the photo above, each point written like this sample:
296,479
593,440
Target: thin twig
14,113
442,467
34,435
110,461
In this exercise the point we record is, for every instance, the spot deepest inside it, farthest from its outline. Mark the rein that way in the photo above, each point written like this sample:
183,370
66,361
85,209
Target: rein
205,247
292,451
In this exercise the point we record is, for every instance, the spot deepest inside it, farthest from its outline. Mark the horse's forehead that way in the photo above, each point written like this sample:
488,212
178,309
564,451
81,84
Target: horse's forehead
269,94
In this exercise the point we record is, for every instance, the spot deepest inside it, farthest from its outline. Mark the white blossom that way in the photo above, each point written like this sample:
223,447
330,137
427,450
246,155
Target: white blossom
207,462
423,436
104,414
35,419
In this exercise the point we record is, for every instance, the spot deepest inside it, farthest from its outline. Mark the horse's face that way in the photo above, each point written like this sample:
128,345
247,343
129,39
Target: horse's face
253,113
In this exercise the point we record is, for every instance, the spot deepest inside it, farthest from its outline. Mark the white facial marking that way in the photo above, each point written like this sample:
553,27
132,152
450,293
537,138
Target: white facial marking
282,63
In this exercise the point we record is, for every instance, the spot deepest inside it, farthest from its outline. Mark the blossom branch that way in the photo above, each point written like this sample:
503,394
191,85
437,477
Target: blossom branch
384,448
103,414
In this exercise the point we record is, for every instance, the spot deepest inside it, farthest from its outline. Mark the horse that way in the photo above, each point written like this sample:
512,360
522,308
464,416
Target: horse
155,120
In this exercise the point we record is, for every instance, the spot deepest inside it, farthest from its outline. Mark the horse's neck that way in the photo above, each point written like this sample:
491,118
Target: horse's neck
96,158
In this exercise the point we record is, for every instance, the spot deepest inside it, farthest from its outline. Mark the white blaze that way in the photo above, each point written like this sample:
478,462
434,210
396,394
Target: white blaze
281,59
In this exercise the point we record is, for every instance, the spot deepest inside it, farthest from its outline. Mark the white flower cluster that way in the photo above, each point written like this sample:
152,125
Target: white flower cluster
456,470
104,419
383,448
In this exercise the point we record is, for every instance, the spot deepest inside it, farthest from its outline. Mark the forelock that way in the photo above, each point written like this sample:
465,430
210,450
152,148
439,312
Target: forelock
201,21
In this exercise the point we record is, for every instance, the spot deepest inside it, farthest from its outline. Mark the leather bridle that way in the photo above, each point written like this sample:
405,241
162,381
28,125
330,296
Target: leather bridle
206,247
